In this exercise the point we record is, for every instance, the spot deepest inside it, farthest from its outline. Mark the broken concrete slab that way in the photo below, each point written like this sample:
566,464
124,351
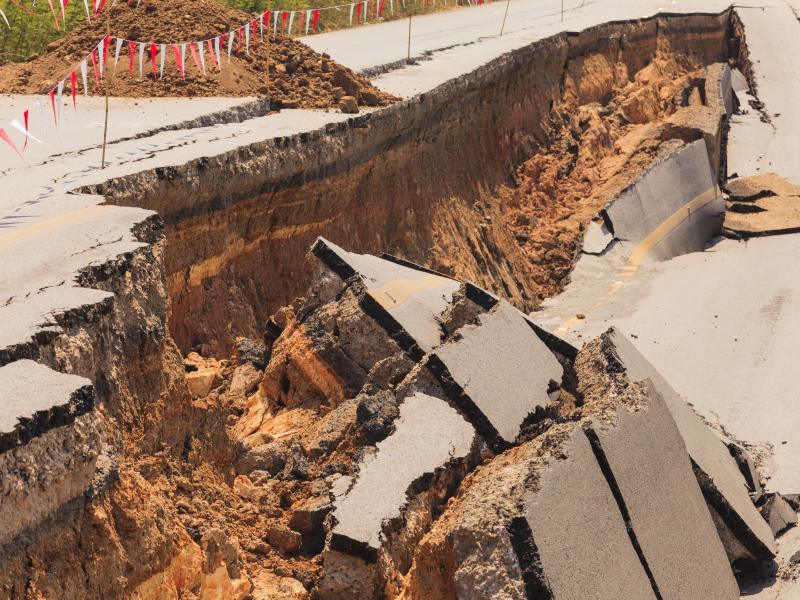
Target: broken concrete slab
674,208
748,470
740,526
405,301
597,238
646,464
778,513
429,436
498,372
35,399
559,554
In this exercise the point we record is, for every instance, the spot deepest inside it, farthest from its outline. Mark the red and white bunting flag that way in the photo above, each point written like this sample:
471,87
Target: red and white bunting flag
177,52
55,18
274,24
163,51
58,97
117,49
358,13
284,16
380,8
88,14
24,130
63,4
27,128
7,140
153,52
246,39
230,45
291,20
300,15
352,6
255,35
183,57
101,57
94,66
84,78
211,52
391,7
196,60
142,47
217,52
316,18
308,20
2,14
131,51
52,94
74,85
202,56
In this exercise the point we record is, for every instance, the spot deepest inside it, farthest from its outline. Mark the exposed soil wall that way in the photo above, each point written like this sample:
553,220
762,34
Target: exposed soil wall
420,179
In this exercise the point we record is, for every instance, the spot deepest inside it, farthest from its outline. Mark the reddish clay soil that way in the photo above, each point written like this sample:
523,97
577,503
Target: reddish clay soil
297,76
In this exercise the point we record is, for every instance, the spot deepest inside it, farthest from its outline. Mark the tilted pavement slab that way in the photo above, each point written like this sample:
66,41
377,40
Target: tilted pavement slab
646,461
720,478
36,399
406,301
498,372
579,545
428,433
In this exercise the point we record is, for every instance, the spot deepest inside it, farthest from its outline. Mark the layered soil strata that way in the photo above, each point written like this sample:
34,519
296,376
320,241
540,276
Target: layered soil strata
492,187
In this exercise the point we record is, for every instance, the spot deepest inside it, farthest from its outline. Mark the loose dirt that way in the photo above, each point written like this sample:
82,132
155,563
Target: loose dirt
285,70
597,150
762,205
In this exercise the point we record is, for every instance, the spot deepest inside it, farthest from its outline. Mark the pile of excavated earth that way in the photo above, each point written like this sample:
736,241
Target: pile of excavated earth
401,434
286,71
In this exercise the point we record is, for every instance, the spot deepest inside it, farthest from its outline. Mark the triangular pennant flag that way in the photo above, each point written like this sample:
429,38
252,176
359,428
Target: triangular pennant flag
55,18
284,16
163,51
261,19
7,140
391,7
358,13
101,57
246,40
24,130
86,6
255,35
74,84
211,52
202,57
84,78
308,20
193,52
217,52
291,20
275,24
230,45
300,15
316,18
366,10
352,6
5,18
153,52
106,44
141,59
25,119
58,101
380,7
177,52
94,66
52,94
131,51
183,59
116,52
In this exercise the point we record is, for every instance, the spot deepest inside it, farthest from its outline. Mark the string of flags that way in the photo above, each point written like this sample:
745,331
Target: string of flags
202,52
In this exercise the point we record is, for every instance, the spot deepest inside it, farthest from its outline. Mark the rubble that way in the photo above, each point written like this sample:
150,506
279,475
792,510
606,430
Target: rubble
778,513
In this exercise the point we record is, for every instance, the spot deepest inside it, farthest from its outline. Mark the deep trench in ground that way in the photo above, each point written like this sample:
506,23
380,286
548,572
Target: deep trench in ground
492,178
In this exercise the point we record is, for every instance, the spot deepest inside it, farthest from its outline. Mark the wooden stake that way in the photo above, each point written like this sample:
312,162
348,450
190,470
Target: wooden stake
105,86
408,60
503,26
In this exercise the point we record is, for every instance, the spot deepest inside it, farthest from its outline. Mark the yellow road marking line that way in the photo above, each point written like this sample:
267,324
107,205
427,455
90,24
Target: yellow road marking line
51,224
644,247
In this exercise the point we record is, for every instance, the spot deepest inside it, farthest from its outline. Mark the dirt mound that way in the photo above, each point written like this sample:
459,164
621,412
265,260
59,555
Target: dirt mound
297,76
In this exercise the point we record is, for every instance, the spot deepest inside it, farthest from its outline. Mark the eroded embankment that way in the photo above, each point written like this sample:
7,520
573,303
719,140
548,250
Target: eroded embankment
433,178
